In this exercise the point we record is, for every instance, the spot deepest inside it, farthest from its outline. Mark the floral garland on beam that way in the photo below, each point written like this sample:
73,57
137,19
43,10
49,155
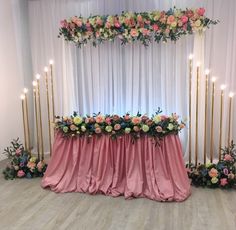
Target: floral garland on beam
129,27
114,125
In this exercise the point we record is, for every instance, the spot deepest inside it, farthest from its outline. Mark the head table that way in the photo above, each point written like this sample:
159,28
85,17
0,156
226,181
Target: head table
99,164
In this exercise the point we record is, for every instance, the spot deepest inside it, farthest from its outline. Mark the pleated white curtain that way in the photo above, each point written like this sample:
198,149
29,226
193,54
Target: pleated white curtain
116,79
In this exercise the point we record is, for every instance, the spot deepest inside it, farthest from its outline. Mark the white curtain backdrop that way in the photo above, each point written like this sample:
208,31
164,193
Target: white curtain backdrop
116,79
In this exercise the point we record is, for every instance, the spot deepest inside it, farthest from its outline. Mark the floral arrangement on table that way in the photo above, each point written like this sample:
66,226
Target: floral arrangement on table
129,27
114,125
22,164
221,174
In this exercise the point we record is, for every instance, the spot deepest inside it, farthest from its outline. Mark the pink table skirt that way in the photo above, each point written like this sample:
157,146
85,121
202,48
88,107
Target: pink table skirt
118,167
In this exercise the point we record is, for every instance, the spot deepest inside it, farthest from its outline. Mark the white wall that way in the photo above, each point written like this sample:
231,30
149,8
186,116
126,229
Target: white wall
15,69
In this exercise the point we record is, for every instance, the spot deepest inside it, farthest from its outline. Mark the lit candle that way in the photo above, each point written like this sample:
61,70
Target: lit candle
212,118
40,117
48,108
206,107
36,117
190,102
230,111
222,87
196,123
22,97
51,62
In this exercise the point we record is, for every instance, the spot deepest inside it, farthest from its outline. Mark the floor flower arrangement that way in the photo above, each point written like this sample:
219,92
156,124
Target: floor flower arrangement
21,163
216,175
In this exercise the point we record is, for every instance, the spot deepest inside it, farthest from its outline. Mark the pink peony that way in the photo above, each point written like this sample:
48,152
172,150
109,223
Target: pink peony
134,33
213,172
223,181
184,19
136,120
20,173
117,127
201,11
98,130
159,129
155,27
228,157
136,128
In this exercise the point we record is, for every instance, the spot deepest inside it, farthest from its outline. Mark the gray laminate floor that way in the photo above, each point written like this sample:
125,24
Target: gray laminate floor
25,205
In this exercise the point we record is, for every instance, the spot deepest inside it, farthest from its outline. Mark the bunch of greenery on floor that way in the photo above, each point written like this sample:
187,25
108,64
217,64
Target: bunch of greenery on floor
218,175
21,164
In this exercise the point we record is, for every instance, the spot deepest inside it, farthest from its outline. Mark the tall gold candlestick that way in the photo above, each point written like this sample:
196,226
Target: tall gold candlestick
221,118
206,108
52,88
27,120
230,112
40,117
48,108
196,124
189,106
36,117
212,119
23,115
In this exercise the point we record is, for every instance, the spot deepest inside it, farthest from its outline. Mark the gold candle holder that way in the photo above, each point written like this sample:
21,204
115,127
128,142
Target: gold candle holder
52,88
212,119
206,108
230,112
27,120
40,117
48,108
22,97
189,106
196,123
36,117
222,87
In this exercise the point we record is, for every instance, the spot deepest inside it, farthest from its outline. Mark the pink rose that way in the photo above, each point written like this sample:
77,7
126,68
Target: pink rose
134,33
144,118
201,11
18,152
184,19
136,128
136,120
99,21
91,120
117,25
73,127
88,25
127,21
40,166
228,157
163,117
155,27
189,13
100,119
149,122
159,129
170,19
31,165
108,25
117,127
108,120
87,120
64,24
97,34
223,181
116,117
213,172
139,18
127,117
20,173
98,130
145,32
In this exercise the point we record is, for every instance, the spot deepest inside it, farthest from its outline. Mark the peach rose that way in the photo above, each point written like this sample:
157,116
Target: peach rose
170,19
159,129
134,33
213,172
136,120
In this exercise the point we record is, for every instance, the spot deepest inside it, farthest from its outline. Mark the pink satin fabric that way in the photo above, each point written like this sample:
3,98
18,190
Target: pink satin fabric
118,167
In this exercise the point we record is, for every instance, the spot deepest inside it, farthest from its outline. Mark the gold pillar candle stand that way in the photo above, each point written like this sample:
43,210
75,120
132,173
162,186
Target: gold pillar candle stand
212,119
51,62
22,97
230,113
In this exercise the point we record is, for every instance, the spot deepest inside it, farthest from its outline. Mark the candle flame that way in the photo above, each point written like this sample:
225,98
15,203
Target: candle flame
190,56
231,94
37,76
222,87
45,69
198,64
22,97
213,79
34,83
25,90
51,62
207,71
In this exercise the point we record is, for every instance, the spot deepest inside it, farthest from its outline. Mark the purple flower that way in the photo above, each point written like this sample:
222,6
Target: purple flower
226,171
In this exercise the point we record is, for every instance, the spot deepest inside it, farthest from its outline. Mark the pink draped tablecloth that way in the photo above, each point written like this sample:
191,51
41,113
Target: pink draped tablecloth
118,167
